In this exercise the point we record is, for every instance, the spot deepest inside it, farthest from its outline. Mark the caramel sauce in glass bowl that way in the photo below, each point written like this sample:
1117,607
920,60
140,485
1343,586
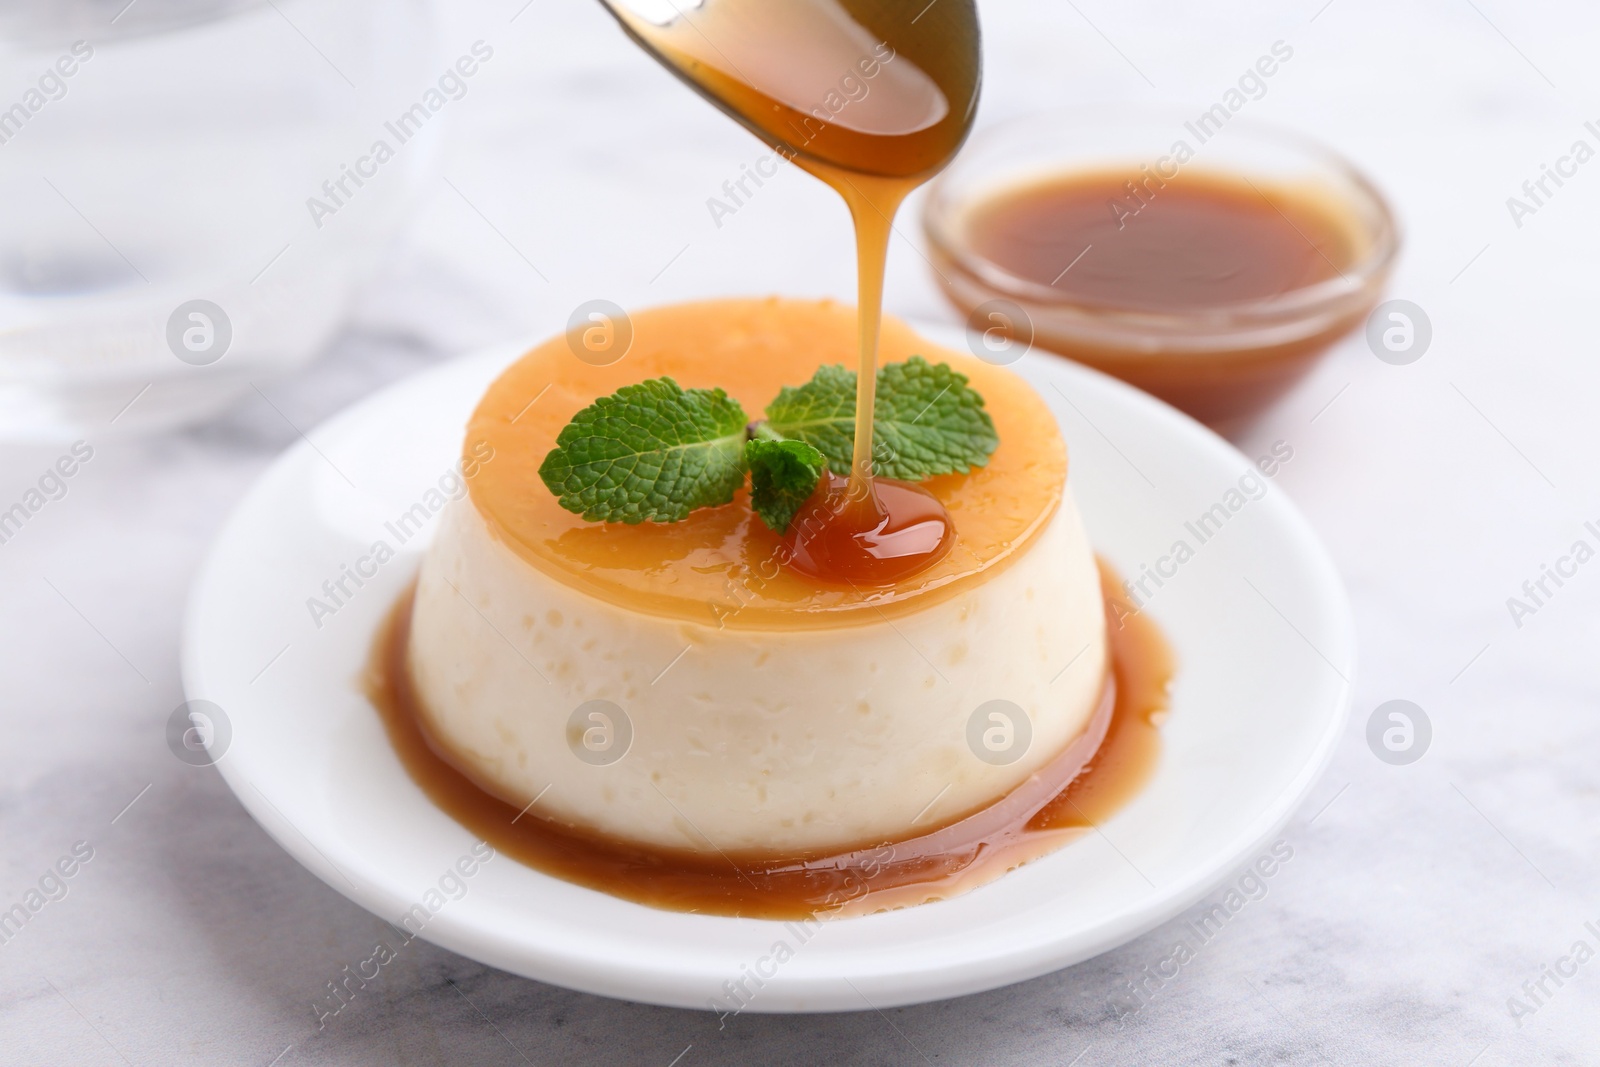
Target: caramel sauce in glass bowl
1212,274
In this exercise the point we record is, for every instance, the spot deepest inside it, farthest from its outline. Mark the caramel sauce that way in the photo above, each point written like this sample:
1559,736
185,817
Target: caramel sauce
872,98
896,531
1097,267
1081,788
722,566
1202,241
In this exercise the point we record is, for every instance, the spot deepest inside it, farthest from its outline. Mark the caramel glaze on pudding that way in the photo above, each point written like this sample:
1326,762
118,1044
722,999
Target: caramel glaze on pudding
772,721
719,566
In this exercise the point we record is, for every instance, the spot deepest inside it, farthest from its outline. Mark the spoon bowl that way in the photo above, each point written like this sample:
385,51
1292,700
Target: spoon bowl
866,86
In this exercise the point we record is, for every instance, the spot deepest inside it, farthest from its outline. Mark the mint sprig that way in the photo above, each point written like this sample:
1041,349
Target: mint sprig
655,452
928,420
783,475
650,451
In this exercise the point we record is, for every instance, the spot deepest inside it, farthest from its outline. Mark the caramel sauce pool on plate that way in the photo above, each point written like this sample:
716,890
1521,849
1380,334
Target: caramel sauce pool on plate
1081,788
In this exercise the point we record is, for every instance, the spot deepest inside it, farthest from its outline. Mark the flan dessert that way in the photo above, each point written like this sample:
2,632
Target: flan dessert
757,707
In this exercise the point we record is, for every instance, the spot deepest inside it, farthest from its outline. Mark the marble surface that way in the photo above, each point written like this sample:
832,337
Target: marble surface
1419,898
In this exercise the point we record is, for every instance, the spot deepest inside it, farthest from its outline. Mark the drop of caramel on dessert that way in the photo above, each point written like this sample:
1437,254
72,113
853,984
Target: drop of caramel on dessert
892,532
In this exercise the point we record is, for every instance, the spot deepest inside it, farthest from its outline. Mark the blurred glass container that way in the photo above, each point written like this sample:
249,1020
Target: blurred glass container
1222,363
160,163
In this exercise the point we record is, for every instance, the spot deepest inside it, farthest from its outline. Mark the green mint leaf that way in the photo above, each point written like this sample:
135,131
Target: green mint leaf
651,451
783,475
822,413
929,421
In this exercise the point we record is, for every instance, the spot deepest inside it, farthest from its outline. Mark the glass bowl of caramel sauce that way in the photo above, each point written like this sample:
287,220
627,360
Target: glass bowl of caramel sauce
1207,259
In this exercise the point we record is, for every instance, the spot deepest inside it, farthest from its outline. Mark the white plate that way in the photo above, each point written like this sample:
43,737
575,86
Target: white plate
1258,617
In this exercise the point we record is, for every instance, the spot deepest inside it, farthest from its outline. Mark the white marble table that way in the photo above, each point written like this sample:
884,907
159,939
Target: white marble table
1419,899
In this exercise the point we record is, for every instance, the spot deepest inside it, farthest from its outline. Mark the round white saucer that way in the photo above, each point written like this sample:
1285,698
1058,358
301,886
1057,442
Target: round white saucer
277,636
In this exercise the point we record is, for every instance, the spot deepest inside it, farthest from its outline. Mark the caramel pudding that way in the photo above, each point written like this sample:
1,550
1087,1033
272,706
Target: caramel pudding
770,713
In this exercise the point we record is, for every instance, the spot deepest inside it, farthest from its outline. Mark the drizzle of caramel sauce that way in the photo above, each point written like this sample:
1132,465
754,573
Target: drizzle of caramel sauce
874,99
1085,785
